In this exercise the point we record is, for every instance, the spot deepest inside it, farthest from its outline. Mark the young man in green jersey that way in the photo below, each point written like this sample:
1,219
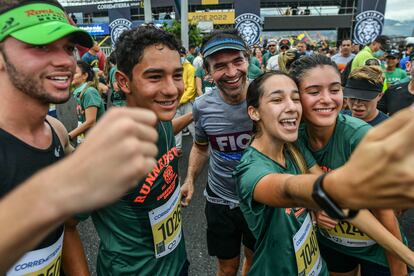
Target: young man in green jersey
141,234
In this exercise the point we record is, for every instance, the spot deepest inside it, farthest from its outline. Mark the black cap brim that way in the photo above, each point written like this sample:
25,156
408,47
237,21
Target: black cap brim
366,95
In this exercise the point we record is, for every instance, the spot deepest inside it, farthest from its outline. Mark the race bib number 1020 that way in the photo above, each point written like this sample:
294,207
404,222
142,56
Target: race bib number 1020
166,225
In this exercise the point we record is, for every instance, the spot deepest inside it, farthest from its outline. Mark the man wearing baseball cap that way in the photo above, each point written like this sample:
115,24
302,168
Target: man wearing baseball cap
222,132
272,50
37,65
376,49
363,91
393,73
273,62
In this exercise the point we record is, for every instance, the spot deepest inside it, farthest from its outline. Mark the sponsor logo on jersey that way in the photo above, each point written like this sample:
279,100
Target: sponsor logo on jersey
231,142
162,169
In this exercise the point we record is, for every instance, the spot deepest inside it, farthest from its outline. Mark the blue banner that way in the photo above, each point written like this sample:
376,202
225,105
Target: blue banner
95,29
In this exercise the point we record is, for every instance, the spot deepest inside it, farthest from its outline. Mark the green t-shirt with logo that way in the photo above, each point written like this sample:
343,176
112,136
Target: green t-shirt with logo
276,229
348,132
117,97
396,76
146,221
206,80
89,98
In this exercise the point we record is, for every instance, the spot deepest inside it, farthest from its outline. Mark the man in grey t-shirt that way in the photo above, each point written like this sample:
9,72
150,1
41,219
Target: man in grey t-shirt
222,131
345,54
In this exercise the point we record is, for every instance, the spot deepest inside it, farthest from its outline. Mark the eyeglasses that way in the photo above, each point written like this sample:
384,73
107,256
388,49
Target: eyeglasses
272,45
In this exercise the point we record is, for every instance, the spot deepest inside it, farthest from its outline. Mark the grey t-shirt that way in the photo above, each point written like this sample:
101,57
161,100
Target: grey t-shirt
227,130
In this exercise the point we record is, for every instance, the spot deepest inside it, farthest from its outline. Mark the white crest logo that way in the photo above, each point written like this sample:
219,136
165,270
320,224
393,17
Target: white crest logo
119,26
368,26
249,26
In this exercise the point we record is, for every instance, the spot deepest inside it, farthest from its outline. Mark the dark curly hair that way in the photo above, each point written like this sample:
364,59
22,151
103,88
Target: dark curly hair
131,44
301,66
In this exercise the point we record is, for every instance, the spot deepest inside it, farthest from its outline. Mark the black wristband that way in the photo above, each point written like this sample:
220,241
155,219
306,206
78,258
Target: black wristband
326,203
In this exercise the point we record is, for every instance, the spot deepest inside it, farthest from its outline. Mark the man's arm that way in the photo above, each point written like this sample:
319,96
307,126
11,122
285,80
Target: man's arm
197,160
199,86
73,256
47,199
181,122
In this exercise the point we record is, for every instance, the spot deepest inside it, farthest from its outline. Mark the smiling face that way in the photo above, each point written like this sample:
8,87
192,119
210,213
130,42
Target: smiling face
229,71
41,72
321,96
157,81
279,110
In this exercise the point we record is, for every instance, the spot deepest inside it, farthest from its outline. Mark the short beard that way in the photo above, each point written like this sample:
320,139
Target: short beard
29,85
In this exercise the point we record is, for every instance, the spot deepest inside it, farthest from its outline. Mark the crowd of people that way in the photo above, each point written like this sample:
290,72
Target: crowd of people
295,143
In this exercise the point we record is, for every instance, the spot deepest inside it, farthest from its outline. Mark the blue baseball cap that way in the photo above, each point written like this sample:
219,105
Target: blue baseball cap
223,43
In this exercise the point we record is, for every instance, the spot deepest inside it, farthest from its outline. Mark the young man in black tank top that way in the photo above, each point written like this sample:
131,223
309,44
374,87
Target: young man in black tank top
36,69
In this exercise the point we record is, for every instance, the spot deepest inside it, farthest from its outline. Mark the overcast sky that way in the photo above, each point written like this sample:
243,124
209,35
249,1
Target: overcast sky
400,10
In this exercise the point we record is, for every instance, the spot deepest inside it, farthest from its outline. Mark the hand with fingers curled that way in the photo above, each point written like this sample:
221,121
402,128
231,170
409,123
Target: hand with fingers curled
116,154
187,190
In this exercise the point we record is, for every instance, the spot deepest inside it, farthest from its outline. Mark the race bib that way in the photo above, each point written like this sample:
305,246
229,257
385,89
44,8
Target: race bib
81,137
348,235
166,225
41,262
307,252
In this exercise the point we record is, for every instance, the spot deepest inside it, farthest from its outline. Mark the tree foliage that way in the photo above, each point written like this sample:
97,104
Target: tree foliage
194,34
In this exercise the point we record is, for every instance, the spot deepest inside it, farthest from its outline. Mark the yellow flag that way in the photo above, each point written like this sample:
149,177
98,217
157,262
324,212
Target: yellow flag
301,36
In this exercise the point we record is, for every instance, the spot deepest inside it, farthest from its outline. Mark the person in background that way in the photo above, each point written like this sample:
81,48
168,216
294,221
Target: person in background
204,81
363,91
90,106
192,53
198,61
253,57
406,56
118,97
344,56
393,74
91,56
273,62
272,51
301,47
257,52
376,49
187,98
398,96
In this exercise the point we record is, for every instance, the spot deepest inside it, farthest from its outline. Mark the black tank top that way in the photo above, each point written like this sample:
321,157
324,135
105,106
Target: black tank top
19,161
